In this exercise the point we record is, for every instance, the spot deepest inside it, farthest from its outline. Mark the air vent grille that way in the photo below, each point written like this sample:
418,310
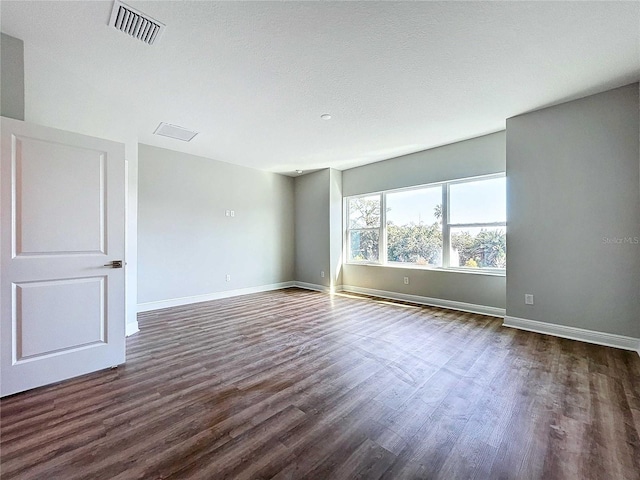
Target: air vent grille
174,131
135,23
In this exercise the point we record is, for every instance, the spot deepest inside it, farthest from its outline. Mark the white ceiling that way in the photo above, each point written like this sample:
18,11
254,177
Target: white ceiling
254,77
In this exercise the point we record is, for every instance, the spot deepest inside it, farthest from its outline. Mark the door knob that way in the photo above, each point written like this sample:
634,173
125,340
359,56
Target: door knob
114,264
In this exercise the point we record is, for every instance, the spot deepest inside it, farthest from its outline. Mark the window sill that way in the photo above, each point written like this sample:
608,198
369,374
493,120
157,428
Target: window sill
490,273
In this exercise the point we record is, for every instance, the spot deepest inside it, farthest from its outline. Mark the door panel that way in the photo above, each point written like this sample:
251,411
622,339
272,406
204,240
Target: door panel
45,312
62,309
41,169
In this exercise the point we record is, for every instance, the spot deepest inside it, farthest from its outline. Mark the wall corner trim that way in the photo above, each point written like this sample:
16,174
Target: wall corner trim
432,302
574,333
131,328
176,302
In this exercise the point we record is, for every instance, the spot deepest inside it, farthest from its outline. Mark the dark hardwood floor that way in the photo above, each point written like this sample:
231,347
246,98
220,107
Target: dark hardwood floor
295,384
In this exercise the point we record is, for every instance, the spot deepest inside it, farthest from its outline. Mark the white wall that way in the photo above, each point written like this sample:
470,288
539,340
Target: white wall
573,179
479,156
131,255
186,244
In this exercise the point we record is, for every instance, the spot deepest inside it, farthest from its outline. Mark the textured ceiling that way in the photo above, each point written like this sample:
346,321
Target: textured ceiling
254,77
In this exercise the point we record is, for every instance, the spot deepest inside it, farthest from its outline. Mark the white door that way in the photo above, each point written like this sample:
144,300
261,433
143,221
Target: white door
62,203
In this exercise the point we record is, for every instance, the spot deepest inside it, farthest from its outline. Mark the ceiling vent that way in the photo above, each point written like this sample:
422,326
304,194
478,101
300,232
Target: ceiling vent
174,131
135,23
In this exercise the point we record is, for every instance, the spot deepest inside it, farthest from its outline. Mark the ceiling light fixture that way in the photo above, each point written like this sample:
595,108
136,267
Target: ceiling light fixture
325,116
174,131
298,171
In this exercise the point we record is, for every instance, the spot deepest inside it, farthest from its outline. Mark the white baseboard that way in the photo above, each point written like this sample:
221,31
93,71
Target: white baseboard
131,328
573,333
316,287
433,302
176,302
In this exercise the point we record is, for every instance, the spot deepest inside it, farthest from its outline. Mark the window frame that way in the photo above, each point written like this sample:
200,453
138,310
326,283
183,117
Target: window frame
447,226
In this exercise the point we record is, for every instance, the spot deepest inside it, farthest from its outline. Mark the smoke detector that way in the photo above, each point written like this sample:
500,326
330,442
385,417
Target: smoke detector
135,23
174,131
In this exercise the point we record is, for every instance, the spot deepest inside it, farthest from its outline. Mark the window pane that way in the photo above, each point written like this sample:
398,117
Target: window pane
364,212
363,245
483,201
481,247
414,226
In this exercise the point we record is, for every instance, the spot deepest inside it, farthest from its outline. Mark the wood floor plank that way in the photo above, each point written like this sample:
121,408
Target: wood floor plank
295,384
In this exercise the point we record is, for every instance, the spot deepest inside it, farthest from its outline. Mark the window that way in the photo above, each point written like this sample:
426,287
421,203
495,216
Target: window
414,226
364,228
477,224
459,224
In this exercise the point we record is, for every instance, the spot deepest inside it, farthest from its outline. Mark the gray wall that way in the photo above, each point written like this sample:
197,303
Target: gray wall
469,158
187,245
574,182
476,289
312,198
11,77
318,198
335,225
478,156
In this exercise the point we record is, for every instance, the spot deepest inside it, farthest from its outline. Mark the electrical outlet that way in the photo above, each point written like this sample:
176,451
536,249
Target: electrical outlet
322,274
528,299
233,213
406,280
227,213
228,278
